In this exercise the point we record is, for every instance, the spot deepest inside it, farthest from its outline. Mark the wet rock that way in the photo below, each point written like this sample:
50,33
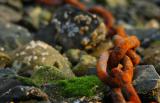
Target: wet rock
37,53
23,93
47,74
6,14
13,36
74,28
36,17
4,60
147,83
86,66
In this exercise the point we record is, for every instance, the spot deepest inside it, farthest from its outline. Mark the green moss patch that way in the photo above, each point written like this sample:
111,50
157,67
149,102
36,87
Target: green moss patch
156,42
46,74
81,86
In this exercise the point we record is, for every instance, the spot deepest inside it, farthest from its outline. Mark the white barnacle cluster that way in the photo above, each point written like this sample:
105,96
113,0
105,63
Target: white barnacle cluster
65,15
81,17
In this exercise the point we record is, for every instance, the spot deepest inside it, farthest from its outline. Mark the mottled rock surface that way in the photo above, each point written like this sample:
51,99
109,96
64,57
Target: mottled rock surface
13,36
147,83
151,55
86,66
74,28
37,53
23,93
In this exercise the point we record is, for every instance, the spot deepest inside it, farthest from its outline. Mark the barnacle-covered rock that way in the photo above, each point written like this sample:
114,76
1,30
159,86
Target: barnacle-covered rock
74,28
38,53
86,66
4,59
13,36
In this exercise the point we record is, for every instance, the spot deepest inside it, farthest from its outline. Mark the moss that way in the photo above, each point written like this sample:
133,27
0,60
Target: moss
26,81
156,42
80,86
46,74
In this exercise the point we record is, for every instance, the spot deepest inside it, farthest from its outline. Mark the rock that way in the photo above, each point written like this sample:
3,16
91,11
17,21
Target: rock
152,24
23,93
36,17
74,27
6,14
46,74
147,9
37,53
115,3
7,72
7,83
86,66
15,4
74,55
151,55
147,83
4,59
13,36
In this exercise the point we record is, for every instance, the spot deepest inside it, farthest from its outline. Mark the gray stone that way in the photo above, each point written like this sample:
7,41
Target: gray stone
151,55
6,84
23,93
147,82
13,36
7,72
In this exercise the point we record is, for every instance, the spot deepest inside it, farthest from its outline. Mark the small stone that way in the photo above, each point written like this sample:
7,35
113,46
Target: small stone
6,14
23,93
86,66
147,83
11,37
4,59
151,55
